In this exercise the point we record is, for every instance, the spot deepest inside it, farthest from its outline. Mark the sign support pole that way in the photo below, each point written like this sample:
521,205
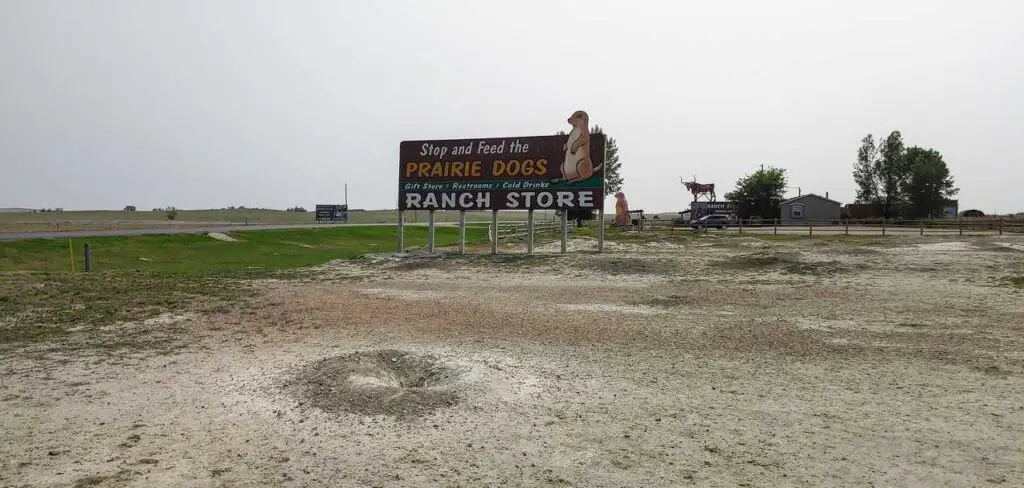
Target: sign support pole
565,229
494,232
600,229
462,232
529,232
430,232
401,231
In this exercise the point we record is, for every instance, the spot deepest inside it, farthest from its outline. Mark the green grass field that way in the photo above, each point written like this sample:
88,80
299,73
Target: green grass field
267,250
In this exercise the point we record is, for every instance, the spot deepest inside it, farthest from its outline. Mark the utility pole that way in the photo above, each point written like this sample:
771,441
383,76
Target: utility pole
346,195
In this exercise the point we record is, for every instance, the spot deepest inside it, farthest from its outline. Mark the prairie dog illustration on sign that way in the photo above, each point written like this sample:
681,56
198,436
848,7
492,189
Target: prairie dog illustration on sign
577,165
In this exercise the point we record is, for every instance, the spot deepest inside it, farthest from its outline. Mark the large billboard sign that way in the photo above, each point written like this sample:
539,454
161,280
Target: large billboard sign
505,173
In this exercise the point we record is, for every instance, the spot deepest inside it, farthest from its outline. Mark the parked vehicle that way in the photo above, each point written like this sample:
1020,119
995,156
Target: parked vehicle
714,220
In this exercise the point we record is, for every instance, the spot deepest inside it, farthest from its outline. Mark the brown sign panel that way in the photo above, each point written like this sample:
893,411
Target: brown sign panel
521,173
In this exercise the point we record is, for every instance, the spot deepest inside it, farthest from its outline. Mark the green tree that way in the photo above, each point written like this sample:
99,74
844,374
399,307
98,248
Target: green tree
903,182
864,174
759,193
891,170
612,166
928,185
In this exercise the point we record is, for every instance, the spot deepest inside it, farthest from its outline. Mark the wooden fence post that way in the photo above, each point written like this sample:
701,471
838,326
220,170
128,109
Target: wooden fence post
883,226
960,225
741,226
776,230
1000,226
88,258
922,228
810,228
847,226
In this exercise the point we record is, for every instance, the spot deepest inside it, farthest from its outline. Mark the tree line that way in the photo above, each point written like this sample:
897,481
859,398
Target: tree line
902,182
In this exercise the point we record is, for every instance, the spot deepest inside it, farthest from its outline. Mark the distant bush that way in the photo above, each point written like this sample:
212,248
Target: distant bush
297,209
172,213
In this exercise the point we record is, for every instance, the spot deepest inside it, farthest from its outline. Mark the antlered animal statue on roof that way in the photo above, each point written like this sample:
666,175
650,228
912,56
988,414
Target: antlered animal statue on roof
698,189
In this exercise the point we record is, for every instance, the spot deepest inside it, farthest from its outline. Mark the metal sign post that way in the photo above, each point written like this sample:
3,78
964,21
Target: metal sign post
430,232
462,232
529,232
401,231
565,230
494,232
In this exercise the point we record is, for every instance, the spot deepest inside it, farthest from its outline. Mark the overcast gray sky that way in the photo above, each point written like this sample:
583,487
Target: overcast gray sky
211,103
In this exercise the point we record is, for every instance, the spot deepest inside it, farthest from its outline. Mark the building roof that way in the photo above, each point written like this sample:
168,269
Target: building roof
808,195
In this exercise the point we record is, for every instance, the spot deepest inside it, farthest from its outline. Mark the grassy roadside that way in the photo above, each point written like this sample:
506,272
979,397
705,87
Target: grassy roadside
269,250
140,277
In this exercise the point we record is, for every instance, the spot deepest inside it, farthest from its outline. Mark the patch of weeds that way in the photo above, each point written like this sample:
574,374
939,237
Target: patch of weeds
70,309
758,261
786,262
514,260
630,266
1016,281
912,325
815,268
123,475
664,302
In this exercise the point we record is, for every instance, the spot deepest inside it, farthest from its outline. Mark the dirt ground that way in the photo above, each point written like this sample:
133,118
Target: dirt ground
709,362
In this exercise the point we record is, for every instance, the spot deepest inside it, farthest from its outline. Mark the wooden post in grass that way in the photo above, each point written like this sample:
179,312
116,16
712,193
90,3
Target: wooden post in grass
401,231
922,228
88,257
810,228
462,232
494,232
71,251
529,231
430,231
741,225
847,226
1000,226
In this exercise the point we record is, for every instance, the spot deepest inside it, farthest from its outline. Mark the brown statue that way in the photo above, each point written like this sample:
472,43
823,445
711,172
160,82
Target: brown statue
698,189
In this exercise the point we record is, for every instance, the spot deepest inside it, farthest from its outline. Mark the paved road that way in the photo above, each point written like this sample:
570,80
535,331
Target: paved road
74,234
799,230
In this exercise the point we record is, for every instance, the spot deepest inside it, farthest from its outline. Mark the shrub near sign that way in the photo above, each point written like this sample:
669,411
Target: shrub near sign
514,173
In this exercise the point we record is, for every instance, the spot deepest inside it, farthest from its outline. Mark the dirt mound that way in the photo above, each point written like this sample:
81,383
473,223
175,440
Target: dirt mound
388,382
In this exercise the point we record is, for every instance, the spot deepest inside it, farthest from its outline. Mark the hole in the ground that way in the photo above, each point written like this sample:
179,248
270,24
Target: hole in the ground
388,382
